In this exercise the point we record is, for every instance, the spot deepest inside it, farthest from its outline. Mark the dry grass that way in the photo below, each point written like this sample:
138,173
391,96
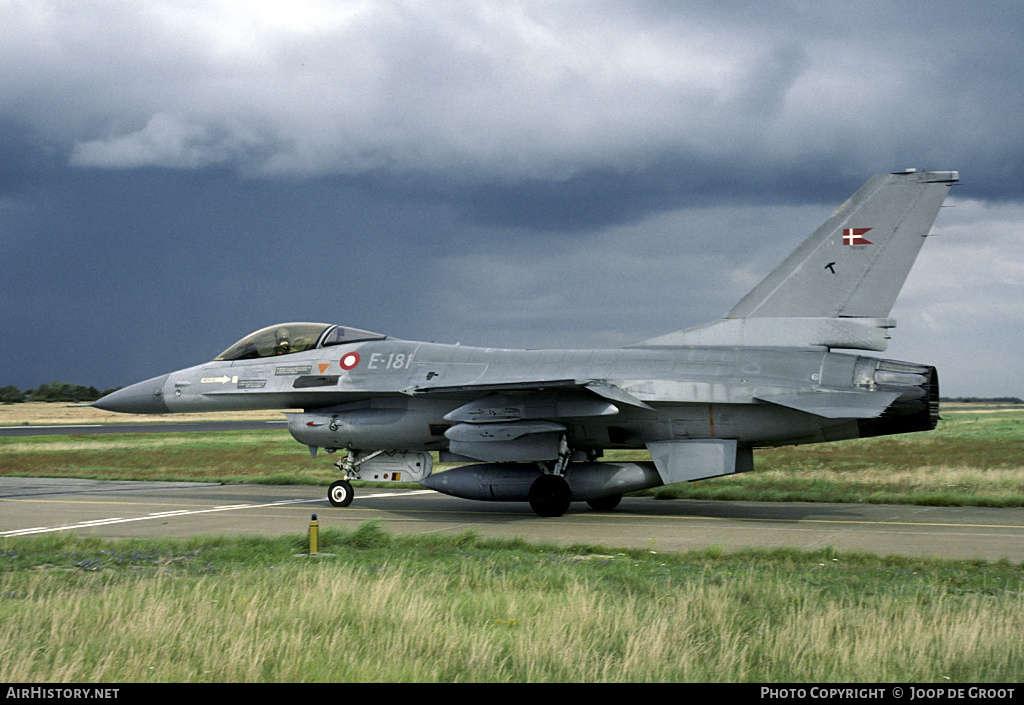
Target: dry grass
332,622
44,413
72,443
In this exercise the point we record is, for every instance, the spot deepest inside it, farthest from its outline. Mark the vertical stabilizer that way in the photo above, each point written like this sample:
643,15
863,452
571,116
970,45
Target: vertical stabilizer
838,287
855,263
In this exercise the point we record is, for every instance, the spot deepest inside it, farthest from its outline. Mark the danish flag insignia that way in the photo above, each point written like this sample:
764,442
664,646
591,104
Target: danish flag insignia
852,236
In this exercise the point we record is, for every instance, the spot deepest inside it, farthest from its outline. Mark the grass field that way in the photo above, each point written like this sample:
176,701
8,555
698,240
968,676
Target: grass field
462,608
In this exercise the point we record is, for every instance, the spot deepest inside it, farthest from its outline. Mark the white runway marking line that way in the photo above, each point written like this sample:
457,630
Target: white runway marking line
394,494
34,426
185,512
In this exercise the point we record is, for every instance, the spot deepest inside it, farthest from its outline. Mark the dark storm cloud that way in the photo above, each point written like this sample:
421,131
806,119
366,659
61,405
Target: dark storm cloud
481,93
176,174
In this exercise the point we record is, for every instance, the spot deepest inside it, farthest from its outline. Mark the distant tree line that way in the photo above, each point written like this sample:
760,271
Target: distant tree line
56,391
982,400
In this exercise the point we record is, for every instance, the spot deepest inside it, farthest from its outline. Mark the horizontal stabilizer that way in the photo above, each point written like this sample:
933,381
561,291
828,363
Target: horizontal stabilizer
853,333
836,404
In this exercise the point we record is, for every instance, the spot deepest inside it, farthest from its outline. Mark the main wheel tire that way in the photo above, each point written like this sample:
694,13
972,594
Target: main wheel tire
340,493
605,504
550,496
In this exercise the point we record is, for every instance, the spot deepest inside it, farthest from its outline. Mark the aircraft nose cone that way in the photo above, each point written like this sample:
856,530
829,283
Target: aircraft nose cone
141,398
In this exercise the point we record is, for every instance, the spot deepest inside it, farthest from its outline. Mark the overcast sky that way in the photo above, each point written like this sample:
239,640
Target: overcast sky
176,174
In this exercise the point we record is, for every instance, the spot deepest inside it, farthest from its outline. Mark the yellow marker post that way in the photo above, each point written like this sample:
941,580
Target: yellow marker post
314,536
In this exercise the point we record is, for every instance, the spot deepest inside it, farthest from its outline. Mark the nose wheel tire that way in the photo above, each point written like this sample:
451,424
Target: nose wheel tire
550,496
340,493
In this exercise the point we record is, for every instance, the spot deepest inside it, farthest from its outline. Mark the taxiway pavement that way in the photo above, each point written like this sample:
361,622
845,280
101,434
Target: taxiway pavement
118,509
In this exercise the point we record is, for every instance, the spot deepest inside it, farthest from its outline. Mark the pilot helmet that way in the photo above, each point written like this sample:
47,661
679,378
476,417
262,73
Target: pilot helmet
282,339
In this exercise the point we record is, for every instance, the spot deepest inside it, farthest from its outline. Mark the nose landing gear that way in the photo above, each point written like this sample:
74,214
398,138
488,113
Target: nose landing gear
340,493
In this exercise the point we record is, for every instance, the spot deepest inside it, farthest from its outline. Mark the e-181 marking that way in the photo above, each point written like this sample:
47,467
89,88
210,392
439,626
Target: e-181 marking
394,361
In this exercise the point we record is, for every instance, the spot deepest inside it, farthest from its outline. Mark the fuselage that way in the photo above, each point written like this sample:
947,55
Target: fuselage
396,394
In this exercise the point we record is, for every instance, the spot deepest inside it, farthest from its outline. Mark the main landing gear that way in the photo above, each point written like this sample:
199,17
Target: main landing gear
550,495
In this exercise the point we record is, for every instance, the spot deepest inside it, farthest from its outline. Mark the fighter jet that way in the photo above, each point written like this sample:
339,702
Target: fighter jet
533,425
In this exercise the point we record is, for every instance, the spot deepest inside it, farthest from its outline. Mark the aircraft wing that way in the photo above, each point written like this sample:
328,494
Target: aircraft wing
530,385
601,388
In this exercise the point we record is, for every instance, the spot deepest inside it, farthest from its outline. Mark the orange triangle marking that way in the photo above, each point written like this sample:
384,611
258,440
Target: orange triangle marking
323,366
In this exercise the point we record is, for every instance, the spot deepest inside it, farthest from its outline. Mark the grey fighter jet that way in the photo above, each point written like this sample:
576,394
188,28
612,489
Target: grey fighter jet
532,425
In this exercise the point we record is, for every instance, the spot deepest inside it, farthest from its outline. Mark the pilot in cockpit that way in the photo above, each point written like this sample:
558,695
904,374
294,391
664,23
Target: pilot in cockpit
283,344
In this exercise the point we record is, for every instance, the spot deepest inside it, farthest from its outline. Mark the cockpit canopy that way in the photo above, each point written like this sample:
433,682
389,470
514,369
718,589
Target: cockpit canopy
287,338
